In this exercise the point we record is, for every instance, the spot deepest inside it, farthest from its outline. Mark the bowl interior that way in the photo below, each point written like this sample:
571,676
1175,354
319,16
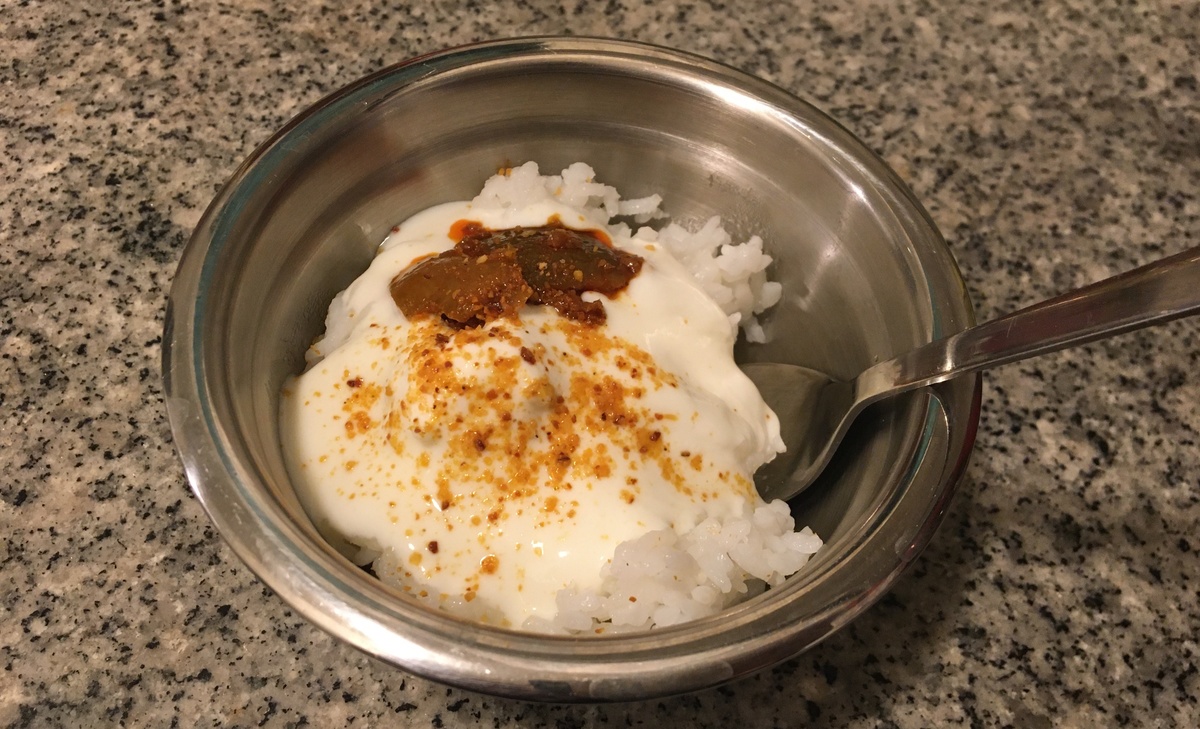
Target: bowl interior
865,276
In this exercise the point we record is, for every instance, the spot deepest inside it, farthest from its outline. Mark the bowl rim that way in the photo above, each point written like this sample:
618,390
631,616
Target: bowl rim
447,649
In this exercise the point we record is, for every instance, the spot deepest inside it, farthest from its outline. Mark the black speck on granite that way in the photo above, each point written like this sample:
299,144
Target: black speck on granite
1054,143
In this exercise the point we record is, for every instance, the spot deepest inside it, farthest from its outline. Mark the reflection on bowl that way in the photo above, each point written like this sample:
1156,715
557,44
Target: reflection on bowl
864,271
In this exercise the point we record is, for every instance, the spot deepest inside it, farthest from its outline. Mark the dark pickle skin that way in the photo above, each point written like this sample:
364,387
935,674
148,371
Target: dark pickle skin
493,273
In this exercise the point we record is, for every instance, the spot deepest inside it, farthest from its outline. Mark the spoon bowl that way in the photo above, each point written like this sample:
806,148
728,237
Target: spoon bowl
815,410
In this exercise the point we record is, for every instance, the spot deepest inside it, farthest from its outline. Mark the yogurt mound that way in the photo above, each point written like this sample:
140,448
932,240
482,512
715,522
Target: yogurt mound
536,471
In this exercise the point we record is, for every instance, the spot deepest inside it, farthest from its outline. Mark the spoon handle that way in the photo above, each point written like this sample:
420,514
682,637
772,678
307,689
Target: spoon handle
1153,294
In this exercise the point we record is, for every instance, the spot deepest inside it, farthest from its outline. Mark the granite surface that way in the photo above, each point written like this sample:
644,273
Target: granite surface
1054,143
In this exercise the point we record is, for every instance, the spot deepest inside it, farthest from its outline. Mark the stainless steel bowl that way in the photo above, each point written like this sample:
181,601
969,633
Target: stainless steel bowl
865,275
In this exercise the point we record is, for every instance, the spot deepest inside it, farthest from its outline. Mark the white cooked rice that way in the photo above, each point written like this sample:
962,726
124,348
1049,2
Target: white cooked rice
662,578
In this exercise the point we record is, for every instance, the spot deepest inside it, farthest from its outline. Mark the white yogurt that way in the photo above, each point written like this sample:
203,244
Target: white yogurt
494,466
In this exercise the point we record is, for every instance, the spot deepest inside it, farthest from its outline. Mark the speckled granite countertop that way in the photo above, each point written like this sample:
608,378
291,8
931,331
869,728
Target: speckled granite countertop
1053,146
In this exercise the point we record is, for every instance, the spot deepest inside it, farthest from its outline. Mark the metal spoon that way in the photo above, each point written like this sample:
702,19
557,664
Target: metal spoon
815,410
